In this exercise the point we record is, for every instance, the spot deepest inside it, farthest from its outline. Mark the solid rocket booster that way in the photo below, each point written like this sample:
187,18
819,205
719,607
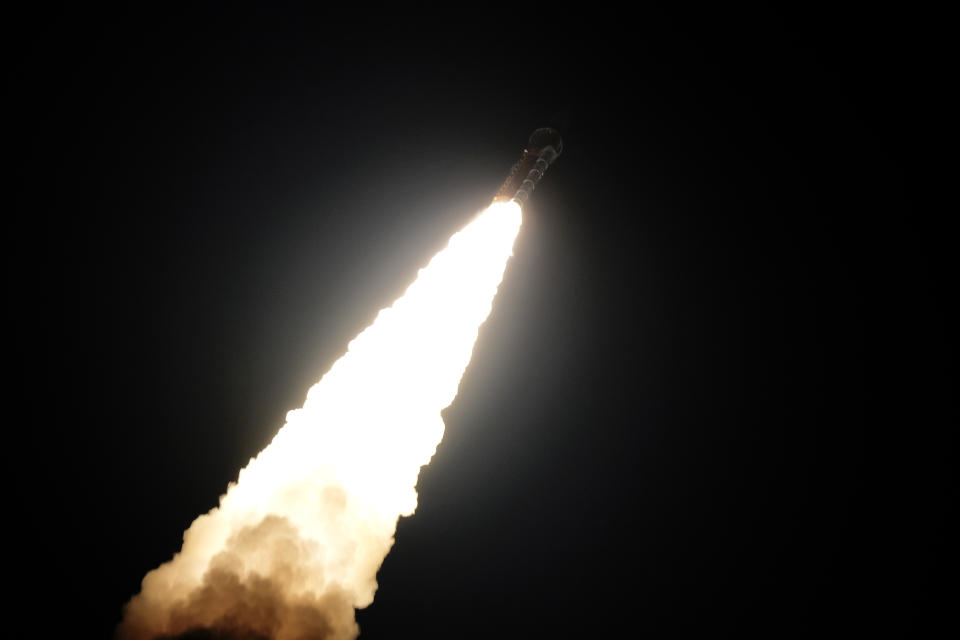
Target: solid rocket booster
542,149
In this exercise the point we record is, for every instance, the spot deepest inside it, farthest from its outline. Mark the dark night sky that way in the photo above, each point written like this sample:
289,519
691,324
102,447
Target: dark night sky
714,394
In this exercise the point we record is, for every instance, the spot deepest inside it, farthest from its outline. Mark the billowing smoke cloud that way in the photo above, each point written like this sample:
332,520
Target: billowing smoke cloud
297,540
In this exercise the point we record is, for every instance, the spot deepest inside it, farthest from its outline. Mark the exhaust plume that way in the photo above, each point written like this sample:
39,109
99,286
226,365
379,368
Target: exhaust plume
296,542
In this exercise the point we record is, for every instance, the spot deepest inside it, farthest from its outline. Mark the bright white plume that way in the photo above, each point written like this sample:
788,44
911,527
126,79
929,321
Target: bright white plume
296,542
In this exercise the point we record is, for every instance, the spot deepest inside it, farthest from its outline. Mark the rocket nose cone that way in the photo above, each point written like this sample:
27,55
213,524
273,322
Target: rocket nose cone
546,137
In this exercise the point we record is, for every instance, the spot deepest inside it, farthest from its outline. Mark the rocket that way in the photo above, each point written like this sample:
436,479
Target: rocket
542,149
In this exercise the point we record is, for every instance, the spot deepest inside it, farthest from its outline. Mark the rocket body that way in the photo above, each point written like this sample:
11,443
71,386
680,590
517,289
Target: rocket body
542,149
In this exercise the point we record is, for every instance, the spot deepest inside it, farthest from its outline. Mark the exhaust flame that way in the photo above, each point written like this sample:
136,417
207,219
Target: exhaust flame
297,540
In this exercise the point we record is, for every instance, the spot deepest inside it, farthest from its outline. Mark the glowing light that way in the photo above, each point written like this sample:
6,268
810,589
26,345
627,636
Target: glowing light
296,542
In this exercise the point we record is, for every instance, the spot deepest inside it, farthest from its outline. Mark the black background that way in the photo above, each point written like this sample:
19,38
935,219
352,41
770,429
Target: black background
713,395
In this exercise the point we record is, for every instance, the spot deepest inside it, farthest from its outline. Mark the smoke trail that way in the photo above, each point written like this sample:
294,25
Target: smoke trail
297,540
